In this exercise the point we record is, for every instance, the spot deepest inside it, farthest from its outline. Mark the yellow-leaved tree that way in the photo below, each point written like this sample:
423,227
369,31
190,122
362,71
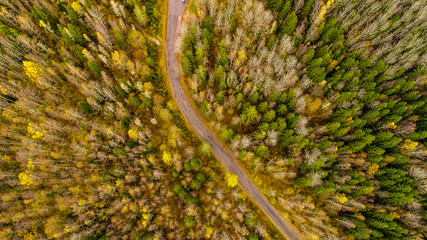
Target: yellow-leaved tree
167,158
231,179
25,178
32,70
208,232
133,134
35,131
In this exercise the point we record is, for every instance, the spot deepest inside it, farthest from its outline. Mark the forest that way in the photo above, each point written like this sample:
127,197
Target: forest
323,103
92,144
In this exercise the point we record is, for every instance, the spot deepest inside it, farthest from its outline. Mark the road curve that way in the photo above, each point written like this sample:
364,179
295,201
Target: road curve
175,12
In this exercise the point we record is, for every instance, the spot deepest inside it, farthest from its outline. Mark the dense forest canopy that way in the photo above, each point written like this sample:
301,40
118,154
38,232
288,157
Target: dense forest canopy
323,102
92,144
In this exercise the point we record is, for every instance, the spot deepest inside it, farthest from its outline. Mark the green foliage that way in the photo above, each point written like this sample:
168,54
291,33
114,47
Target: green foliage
147,102
233,25
95,68
219,97
262,151
250,222
201,75
192,164
199,56
144,235
223,56
226,134
308,5
192,200
205,149
284,12
253,98
197,182
119,151
270,42
85,107
252,236
303,182
120,38
189,221
140,15
249,115
203,107
125,120
269,116
179,190
187,64
43,15
175,174
289,25
262,107
195,163
6,31
76,34
135,101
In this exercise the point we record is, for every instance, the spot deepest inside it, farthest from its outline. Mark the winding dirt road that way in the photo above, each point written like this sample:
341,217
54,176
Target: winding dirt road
176,11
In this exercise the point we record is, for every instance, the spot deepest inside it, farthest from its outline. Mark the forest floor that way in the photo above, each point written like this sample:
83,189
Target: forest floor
176,10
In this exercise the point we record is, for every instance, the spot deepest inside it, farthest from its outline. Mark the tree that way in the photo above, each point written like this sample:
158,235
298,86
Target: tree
189,221
269,116
250,222
306,9
223,56
32,70
270,42
201,75
317,74
187,65
147,102
195,184
220,97
253,98
179,190
125,120
121,40
205,149
85,107
199,56
96,69
188,167
262,107
249,115
135,101
165,115
303,182
141,15
289,25
167,158
231,180
195,163
77,34
262,151
252,236
275,5
133,134
226,134
284,12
